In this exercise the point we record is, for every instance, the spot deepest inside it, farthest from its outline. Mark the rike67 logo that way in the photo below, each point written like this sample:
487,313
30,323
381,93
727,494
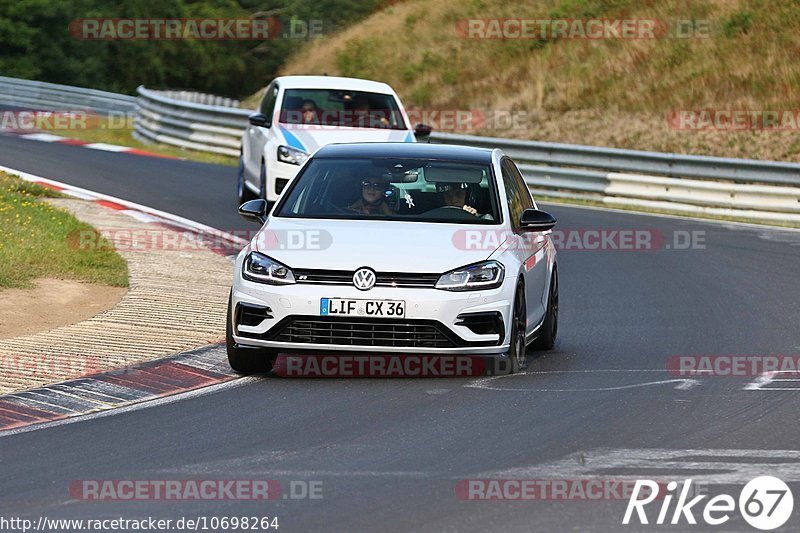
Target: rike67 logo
765,503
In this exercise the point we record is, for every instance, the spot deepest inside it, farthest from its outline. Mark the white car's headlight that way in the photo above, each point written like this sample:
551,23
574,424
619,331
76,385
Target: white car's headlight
293,156
485,275
258,267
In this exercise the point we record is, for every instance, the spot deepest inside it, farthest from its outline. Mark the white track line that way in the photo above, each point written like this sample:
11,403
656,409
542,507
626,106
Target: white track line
107,147
43,137
682,384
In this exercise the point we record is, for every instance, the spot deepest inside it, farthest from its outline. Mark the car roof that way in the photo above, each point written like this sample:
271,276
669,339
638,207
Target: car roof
333,82
450,152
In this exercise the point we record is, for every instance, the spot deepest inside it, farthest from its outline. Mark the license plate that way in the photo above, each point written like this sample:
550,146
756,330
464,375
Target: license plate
371,308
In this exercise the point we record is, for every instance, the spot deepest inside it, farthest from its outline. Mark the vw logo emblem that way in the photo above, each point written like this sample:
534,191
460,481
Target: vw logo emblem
364,279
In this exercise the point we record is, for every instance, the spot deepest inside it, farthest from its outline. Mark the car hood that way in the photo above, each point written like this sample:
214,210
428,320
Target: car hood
312,138
385,246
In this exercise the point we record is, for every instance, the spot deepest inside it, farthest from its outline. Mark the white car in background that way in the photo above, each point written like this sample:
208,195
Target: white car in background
420,249
299,114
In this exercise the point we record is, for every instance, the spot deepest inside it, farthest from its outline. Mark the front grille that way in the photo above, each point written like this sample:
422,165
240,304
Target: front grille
347,331
400,279
383,279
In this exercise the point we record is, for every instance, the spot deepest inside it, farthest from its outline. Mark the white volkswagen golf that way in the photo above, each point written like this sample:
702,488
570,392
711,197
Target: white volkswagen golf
395,248
299,114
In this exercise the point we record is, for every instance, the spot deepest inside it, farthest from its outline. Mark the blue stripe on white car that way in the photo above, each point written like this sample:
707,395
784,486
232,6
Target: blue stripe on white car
292,140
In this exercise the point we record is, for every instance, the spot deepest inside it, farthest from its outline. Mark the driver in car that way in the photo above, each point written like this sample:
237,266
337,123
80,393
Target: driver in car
373,198
455,195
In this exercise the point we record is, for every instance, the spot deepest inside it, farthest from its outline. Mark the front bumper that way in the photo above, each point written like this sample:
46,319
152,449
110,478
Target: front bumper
298,306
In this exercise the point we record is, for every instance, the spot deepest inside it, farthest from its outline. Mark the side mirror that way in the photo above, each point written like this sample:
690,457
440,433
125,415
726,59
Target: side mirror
254,211
422,131
259,119
535,220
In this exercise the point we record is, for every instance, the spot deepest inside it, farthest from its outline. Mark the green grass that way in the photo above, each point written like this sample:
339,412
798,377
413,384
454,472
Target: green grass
111,131
741,56
37,241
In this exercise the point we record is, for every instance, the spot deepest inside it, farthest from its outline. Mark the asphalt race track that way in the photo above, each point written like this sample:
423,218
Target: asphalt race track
390,452
197,191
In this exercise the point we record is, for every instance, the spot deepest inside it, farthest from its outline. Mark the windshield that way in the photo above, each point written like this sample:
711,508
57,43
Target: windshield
392,189
329,107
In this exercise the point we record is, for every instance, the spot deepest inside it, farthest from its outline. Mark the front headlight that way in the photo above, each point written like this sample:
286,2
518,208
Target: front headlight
292,156
260,268
485,275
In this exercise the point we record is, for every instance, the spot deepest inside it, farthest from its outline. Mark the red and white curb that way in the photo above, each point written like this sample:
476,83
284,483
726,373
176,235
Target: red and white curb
115,389
134,210
58,139
127,387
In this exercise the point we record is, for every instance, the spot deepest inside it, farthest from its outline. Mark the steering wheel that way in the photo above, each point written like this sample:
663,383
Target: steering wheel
449,211
330,207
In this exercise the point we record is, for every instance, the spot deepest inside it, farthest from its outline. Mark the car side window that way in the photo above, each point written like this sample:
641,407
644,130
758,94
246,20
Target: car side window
516,201
268,102
520,185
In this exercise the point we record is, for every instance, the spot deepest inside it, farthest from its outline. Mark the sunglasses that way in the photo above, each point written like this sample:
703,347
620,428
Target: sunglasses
373,184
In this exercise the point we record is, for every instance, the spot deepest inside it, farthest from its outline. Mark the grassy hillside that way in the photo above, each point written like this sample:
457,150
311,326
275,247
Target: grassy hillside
605,92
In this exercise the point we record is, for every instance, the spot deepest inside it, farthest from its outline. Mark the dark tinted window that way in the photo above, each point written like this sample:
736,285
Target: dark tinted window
422,190
329,107
516,200
268,102
520,185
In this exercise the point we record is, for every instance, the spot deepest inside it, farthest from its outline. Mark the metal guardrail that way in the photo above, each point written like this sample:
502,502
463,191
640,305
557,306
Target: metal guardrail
201,98
749,188
640,162
767,190
189,122
52,96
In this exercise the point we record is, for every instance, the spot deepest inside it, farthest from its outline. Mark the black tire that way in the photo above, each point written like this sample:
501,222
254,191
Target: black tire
242,191
547,337
517,356
245,360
